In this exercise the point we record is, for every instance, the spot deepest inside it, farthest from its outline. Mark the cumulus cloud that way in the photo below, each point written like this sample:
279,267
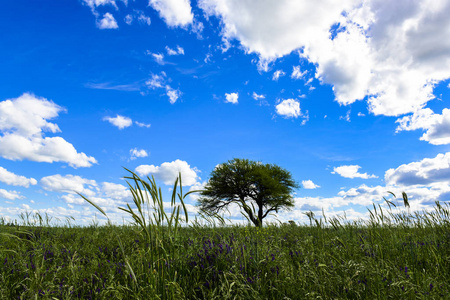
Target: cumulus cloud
119,121
351,171
309,185
10,195
177,51
135,153
159,58
436,126
277,74
426,171
107,195
168,172
232,98
16,180
23,122
297,73
68,184
173,94
156,81
174,12
107,22
115,191
289,108
391,54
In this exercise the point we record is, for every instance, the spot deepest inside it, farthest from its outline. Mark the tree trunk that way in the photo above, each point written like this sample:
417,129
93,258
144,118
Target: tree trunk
260,215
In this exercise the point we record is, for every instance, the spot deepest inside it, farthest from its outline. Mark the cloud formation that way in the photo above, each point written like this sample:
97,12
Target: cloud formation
309,185
107,22
297,73
231,98
23,121
159,81
135,153
374,50
436,126
12,179
119,121
10,195
289,108
426,171
174,12
107,195
177,51
351,171
168,172
277,74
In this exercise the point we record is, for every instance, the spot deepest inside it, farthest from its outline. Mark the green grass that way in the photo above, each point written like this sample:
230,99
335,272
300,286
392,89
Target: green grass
390,256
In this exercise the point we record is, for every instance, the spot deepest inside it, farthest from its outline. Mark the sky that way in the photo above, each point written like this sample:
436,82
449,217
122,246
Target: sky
352,97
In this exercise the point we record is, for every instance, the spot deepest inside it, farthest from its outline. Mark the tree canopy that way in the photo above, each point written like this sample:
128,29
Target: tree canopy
257,188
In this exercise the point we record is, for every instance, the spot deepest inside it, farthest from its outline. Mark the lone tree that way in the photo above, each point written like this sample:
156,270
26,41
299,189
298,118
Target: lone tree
257,188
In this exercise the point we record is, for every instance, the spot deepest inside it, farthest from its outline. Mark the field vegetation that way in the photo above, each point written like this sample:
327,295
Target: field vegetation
393,255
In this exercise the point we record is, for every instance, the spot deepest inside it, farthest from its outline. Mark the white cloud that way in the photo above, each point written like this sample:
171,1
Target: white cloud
128,19
174,12
68,184
159,58
363,195
173,94
107,196
289,108
143,19
389,53
309,185
16,180
258,97
157,81
119,121
232,98
95,3
426,171
107,22
277,74
135,153
142,124
115,191
23,122
28,115
437,126
168,172
297,73
351,171
10,195
140,16
274,28
178,51
346,117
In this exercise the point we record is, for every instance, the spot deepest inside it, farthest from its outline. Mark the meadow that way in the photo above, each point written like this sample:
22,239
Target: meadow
393,255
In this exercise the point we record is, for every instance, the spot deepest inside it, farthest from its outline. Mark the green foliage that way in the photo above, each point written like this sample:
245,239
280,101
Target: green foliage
257,188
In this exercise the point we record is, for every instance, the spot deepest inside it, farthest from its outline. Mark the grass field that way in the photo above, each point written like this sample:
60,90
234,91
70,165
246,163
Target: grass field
391,256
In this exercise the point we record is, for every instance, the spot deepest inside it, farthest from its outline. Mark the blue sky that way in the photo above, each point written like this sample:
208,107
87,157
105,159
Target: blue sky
350,96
